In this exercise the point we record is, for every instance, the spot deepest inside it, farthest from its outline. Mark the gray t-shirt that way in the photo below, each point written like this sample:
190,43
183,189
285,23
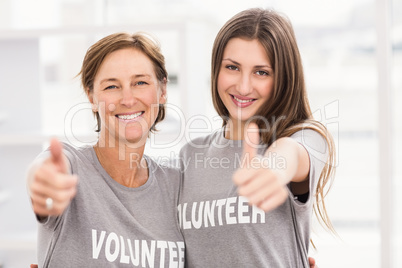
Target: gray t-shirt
220,228
110,225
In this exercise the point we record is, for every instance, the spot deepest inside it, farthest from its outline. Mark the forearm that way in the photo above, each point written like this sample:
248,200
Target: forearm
264,181
290,160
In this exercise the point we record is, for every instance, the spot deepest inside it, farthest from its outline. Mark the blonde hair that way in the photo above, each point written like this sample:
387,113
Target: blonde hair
98,52
288,105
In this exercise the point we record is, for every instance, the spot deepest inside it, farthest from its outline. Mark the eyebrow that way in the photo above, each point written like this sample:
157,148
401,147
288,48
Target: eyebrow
257,66
108,80
115,79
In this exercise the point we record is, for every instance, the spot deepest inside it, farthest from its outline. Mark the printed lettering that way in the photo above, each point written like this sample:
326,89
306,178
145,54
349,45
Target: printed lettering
97,246
173,255
209,213
257,211
181,250
219,204
186,224
162,245
180,215
197,223
148,253
123,257
144,253
230,209
243,208
135,259
111,257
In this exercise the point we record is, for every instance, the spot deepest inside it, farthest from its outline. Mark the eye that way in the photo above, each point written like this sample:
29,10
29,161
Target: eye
141,83
110,87
232,67
262,73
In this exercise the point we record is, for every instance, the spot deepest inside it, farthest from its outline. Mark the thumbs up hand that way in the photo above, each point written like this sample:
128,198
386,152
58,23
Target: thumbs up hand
263,186
57,157
51,186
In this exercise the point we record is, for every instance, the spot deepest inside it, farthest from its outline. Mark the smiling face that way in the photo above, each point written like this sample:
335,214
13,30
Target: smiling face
246,78
127,94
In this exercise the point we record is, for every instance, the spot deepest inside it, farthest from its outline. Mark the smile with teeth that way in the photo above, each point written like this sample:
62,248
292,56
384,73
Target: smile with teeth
242,101
129,116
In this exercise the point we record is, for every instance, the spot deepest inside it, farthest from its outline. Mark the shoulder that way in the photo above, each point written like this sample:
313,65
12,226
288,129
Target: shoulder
309,137
75,149
73,153
200,143
165,176
162,169
313,141
69,151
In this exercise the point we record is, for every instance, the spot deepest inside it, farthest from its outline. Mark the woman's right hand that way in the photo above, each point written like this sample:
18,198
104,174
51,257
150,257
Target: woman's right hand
51,186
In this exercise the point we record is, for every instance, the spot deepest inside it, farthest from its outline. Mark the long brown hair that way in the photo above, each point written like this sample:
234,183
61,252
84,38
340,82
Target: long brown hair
98,52
288,107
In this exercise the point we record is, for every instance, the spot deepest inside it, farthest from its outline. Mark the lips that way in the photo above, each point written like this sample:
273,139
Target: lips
241,101
129,116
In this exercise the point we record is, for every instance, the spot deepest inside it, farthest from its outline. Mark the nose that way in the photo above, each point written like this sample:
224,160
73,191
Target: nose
128,99
244,85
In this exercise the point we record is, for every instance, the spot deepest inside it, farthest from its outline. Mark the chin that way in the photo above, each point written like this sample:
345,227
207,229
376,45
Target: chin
133,142
136,136
242,118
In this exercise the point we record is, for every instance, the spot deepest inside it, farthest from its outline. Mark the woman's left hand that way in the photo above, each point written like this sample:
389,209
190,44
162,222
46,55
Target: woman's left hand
263,185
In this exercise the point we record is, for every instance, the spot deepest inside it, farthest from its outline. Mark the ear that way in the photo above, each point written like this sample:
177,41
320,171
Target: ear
163,97
90,96
94,107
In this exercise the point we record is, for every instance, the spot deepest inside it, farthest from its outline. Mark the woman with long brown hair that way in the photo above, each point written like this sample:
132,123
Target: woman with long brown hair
249,190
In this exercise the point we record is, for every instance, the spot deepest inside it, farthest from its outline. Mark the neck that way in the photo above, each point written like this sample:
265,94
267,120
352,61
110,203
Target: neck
124,162
234,130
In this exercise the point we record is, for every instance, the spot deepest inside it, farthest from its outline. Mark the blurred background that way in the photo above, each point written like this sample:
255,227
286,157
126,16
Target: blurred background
352,55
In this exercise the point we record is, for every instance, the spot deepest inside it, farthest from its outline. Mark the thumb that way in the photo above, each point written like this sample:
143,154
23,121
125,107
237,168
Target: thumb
251,141
57,157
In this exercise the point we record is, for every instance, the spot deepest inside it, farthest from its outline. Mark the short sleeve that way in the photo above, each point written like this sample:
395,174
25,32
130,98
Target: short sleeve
317,149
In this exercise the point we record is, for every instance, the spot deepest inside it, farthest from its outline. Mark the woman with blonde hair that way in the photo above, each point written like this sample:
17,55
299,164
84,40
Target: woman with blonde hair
249,190
110,205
